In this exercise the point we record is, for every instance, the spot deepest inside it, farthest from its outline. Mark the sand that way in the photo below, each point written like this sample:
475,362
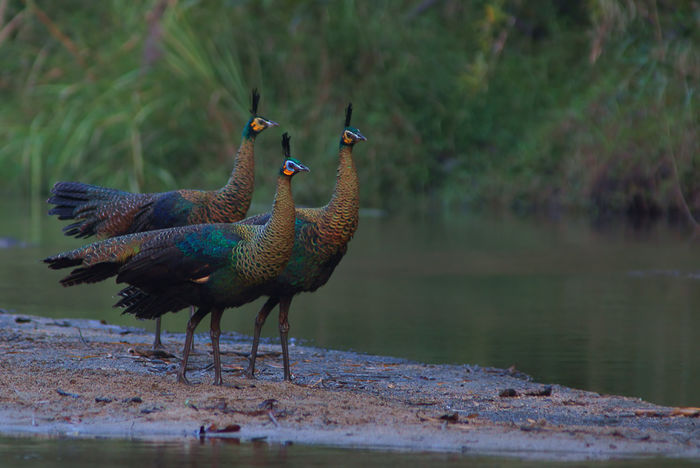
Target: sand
88,379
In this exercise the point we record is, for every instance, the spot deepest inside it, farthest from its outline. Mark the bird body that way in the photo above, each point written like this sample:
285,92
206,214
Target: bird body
105,212
212,266
205,265
321,235
108,212
320,242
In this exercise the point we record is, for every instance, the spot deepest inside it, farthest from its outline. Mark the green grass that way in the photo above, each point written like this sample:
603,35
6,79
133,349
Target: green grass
574,105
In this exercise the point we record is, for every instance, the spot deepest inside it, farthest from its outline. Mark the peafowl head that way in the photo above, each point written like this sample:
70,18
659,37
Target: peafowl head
257,124
351,135
291,165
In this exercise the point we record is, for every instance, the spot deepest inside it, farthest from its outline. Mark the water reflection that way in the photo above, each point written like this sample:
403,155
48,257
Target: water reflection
78,453
613,310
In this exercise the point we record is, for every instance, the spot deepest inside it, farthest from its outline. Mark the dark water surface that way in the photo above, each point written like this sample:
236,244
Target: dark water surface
612,309
77,453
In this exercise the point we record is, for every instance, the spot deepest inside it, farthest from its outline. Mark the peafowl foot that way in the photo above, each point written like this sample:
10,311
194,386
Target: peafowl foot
250,372
182,379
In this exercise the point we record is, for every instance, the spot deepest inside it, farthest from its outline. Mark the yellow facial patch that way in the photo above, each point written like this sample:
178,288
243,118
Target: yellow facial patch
346,139
256,126
288,171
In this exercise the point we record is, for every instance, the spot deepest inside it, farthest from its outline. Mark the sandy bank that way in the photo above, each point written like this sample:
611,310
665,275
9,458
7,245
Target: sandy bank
85,378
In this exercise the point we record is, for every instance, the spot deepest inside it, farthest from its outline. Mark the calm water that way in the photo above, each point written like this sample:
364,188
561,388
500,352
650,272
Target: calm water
77,453
614,310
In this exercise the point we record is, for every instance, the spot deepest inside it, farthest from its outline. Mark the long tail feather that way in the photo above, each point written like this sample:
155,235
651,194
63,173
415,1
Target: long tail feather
91,274
84,274
99,260
147,306
59,261
93,206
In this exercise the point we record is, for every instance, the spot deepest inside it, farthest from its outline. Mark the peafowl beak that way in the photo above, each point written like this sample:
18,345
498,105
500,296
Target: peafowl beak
360,136
271,123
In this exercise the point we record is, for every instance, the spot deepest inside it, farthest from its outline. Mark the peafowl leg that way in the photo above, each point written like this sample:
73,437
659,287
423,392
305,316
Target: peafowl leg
259,321
156,340
191,315
215,333
285,302
191,325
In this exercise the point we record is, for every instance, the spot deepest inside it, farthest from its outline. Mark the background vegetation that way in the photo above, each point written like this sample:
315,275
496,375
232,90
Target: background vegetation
585,105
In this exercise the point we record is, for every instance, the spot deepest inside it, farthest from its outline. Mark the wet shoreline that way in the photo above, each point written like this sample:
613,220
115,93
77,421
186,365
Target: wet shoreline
84,378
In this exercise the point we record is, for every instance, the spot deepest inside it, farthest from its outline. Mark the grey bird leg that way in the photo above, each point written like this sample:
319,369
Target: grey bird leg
191,315
285,302
191,325
259,321
215,333
156,340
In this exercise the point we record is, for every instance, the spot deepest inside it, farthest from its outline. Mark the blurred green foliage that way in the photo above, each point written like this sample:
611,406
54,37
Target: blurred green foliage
488,103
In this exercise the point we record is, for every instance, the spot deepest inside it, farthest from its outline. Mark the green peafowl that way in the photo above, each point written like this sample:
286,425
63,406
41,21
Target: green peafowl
211,266
321,239
105,212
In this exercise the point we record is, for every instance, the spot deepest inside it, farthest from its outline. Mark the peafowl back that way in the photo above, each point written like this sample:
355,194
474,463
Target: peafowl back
105,212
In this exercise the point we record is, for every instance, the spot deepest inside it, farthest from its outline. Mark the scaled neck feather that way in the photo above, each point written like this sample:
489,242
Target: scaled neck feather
238,191
340,216
271,248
